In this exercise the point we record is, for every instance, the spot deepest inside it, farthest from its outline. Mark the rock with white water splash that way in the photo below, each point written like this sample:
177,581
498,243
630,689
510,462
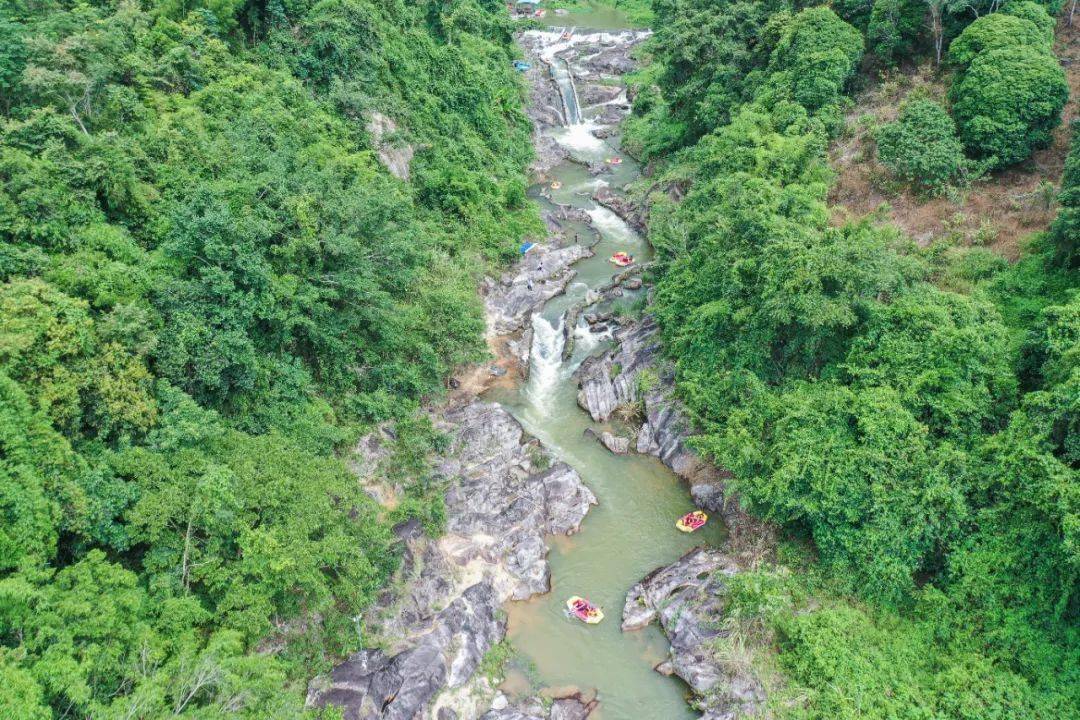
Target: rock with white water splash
689,599
622,207
544,273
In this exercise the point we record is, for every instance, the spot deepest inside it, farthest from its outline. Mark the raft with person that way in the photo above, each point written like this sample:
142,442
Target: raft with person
584,610
691,521
622,259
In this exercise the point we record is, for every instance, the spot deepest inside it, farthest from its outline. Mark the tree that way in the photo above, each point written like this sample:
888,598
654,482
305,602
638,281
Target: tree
921,146
996,31
817,54
1065,232
893,27
1008,102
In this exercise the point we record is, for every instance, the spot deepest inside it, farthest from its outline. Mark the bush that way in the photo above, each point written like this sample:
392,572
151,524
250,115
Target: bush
1008,102
922,146
993,32
817,54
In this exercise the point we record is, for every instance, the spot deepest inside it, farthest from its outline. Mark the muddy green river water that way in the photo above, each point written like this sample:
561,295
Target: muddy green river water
631,531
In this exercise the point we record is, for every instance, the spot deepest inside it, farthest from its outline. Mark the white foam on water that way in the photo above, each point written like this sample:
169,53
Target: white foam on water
585,340
611,226
545,360
579,138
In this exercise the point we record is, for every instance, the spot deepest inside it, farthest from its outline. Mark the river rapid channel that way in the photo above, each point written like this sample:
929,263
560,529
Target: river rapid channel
631,531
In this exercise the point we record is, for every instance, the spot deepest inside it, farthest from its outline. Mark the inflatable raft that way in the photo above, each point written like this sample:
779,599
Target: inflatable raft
691,521
584,610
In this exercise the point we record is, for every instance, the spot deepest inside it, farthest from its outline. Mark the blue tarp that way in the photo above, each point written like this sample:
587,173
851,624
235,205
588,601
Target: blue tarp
521,65
526,247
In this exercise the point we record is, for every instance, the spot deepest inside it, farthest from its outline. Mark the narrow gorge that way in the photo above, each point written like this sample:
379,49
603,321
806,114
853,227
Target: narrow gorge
576,443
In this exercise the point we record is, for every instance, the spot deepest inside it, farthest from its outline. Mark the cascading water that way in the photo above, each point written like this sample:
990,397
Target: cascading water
564,78
545,359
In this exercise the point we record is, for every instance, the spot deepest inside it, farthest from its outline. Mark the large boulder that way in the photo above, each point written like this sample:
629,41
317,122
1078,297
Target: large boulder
689,599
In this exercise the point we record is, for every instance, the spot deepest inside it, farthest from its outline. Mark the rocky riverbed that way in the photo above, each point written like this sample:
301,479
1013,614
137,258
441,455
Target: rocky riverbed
505,494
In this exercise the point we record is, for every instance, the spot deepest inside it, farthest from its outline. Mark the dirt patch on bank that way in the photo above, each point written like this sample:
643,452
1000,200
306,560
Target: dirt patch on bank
999,212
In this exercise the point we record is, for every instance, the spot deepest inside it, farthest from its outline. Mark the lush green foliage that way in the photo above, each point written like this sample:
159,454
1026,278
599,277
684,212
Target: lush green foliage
1008,102
1065,232
921,146
843,659
208,284
910,412
894,26
993,32
1007,97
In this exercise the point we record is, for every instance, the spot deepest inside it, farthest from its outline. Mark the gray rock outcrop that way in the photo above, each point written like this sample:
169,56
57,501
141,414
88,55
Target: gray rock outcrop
445,614
395,154
573,707
541,275
689,599
614,443
612,379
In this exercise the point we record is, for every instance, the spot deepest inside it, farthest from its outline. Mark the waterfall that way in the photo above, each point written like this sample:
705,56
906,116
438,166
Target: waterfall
564,78
545,359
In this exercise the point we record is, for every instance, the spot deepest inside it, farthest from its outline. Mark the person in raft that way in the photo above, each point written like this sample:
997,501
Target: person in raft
691,521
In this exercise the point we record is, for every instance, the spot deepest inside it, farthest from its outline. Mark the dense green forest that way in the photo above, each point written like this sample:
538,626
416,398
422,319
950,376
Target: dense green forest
209,285
909,415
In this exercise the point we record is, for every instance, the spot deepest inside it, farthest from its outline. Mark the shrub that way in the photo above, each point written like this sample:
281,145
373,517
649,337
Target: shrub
1008,103
922,146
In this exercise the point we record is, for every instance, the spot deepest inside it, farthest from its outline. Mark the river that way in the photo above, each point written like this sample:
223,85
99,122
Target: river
631,531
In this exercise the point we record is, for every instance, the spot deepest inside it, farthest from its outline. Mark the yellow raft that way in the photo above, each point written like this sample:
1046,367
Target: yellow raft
691,521
584,610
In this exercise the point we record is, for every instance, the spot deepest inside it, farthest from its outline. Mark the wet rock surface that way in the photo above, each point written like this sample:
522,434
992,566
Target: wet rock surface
622,207
504,495
543,273
688,598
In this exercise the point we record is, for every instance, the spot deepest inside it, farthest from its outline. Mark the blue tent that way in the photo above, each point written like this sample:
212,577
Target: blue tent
526,247
521,65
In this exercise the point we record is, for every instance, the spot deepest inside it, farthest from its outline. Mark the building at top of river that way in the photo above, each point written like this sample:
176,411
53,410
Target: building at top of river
525,8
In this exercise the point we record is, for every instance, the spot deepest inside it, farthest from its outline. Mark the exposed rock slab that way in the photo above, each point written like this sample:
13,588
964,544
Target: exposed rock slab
613,379
444,614
614,443
543,273
395,154
689,599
